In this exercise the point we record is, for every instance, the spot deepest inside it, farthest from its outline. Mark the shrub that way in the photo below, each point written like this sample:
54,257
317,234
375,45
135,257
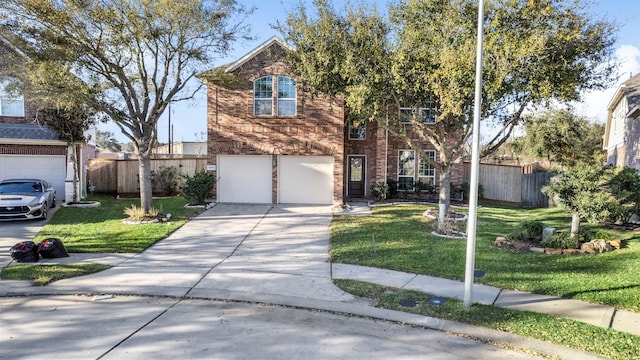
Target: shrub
427,187
199,187
561,240
165,179
393,187
135,213
465,187
527,230
380,190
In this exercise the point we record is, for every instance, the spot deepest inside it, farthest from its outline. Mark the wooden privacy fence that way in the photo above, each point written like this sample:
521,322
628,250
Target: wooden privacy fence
510,183
121,176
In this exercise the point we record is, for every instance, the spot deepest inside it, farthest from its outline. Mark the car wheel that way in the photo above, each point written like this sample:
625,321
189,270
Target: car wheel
53,203
45,209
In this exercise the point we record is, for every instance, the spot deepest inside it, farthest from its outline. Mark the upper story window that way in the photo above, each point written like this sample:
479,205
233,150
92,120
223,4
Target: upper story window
286,96
11,104
427,113
284,99
263,96
357,129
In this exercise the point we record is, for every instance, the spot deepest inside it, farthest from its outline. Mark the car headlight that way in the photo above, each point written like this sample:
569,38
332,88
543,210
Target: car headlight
36,202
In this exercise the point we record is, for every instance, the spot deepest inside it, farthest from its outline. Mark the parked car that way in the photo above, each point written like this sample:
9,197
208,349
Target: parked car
26,199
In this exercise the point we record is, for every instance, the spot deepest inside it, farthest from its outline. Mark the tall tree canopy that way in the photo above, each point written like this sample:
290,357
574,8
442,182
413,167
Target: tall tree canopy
561,136
424,53
136,56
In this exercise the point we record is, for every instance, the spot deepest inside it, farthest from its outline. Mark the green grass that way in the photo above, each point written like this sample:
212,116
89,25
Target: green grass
100,230
574,334
404,242
44,274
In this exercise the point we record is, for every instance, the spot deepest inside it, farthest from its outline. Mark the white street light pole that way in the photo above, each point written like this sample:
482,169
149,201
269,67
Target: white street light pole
475,165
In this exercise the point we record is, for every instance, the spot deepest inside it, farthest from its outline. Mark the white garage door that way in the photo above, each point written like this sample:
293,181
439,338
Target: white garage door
305,179
51,168
244,179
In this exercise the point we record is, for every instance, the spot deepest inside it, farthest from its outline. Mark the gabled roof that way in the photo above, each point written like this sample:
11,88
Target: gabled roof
22,133
629,89
253,53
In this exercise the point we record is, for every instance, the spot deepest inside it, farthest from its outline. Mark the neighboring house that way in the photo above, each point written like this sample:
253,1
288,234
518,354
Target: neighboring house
181,149
271,142
28,150
622,131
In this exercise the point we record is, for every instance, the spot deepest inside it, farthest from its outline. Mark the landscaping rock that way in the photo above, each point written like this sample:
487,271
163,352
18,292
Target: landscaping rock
500,241
616,243
553,251
596,247
569,251
537,250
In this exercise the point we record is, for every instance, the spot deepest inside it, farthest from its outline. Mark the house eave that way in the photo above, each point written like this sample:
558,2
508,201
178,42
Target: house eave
251,54
634,112
5,141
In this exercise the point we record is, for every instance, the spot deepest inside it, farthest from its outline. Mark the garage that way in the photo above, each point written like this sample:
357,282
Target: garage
51,168
305,179
244,179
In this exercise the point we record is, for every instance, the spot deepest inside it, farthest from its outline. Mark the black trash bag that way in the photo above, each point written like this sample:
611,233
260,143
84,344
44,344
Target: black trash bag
52,248
26,251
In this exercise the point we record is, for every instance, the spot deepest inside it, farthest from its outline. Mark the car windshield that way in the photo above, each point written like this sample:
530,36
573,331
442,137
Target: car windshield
20,187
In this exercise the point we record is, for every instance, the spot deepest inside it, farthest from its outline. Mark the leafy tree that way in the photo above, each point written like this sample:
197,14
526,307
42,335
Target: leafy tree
625,187
70,123
136,56
424,53
584,191
561,136
107,140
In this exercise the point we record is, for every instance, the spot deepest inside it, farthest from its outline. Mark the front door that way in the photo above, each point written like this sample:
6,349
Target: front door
356,175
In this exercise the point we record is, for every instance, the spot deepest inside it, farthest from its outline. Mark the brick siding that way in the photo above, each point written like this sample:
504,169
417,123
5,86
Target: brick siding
15,149
316,129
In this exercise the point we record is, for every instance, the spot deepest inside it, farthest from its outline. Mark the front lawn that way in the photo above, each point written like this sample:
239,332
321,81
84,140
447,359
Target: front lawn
608,342
101,229
45,274
403,242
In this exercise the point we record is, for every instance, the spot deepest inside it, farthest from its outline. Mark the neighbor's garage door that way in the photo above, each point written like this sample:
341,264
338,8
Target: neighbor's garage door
305,179
51,168
244,179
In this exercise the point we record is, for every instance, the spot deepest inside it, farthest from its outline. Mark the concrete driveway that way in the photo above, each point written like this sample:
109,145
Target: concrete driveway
12,232
237,282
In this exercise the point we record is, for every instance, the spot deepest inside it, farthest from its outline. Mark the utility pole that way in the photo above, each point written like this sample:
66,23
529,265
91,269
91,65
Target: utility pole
475,167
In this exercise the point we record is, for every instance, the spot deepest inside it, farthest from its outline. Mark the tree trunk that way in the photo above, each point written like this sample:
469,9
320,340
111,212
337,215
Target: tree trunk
444,198
575,223
146,191
74,157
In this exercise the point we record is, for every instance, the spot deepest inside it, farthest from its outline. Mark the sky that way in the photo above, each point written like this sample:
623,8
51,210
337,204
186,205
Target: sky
189,119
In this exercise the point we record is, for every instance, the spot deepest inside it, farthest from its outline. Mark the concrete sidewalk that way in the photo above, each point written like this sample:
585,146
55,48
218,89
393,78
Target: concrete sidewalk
593,314
278,255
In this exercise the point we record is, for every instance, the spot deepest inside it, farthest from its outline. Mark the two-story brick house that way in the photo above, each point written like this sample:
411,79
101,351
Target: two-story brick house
27,149
271,142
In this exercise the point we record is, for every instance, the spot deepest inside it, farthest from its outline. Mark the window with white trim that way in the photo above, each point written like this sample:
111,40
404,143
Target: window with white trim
427,113
411,171
263,96
406,169
286,96
426,171
11,104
